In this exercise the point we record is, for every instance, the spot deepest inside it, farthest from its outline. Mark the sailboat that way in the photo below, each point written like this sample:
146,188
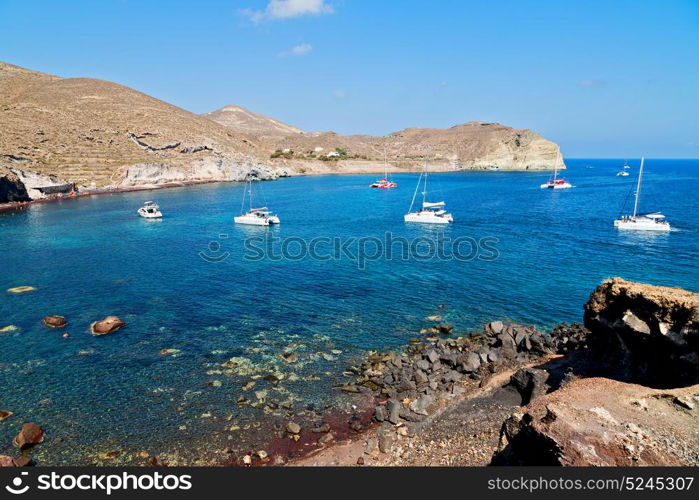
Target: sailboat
554,182
384,183
431,212
654,221
623,172
254,216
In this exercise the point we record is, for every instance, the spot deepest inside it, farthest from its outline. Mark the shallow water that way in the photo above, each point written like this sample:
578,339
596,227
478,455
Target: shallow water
92,257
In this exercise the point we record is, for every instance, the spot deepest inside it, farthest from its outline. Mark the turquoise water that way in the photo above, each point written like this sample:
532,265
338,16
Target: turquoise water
92,257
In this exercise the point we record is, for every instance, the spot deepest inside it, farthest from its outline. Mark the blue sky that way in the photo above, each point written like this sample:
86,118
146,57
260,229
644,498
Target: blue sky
602,78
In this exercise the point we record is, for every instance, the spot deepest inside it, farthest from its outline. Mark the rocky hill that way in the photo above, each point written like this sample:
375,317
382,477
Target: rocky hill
471,146
246,122
96,133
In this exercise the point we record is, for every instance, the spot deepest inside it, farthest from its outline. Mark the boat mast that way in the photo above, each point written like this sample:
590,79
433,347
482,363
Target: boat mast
424,192
555,165
638,189
385,161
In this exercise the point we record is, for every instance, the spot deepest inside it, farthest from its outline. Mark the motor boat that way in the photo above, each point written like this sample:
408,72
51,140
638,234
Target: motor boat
150,210
623,173
654,221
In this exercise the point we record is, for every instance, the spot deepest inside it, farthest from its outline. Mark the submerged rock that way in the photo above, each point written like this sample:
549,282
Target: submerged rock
55,321
8,328
293,428
107,325
30,435
21,289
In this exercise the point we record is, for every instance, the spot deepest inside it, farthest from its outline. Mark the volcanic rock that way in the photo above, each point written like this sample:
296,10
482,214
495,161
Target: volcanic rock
107,325
55,321
30,435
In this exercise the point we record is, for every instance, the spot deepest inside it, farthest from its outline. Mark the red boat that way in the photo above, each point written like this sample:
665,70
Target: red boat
383,184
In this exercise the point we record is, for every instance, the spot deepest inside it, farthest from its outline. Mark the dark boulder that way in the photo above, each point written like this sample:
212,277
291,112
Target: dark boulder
530,383
650,332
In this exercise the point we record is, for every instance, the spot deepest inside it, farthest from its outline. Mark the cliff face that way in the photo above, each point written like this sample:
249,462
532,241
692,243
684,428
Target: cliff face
11,188
90,132
644,340
652,331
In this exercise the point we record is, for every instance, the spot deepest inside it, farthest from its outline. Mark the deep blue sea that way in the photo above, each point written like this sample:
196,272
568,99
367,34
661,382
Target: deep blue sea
93,257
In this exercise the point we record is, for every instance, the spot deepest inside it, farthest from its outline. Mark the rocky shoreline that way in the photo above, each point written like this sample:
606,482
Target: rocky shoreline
511,395
622,389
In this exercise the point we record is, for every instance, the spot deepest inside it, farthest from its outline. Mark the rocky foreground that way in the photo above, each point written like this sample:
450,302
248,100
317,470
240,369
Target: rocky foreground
511,395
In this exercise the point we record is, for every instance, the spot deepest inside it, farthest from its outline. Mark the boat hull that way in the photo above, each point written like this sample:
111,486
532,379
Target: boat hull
150,215
641,225
428,218
251,221
565,185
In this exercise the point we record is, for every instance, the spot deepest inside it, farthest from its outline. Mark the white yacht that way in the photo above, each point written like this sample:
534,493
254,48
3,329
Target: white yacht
554,182
431,212
623,173
254,216
150,210
654,221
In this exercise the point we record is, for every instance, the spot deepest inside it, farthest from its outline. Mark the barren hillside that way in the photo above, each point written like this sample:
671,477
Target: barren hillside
98,133
246,122
473,145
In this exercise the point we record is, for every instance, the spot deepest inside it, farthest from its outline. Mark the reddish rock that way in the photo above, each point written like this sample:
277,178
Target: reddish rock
6,461
30,435
602,422
55,321
109,324
22,461
5,414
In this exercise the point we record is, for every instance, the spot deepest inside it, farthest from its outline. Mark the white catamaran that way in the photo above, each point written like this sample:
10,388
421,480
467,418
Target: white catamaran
254,216
430,213
642,222
554,182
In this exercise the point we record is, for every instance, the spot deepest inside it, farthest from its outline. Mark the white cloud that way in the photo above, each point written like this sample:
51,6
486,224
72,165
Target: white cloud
340,94
299,50
286,9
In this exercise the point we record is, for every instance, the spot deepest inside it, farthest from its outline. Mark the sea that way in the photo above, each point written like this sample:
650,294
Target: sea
233,330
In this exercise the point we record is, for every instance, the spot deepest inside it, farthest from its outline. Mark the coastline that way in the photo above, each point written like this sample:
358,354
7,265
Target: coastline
21,205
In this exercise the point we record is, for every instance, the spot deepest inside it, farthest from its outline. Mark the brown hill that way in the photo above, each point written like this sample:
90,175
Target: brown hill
473,145
246,122
94,132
